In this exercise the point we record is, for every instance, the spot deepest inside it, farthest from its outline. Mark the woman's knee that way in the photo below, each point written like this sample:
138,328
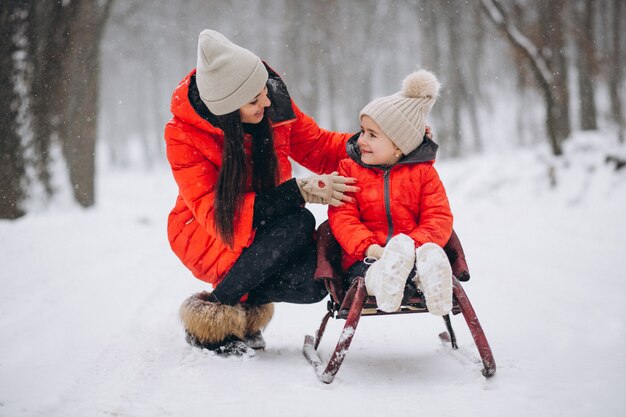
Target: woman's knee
306,218
300,224
311,293
317,293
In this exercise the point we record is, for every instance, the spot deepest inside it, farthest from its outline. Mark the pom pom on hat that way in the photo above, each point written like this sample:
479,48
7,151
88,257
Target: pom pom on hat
402,116
420,83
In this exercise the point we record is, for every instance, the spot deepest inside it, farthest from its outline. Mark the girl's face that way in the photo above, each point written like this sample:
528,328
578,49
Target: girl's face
376,147
253,112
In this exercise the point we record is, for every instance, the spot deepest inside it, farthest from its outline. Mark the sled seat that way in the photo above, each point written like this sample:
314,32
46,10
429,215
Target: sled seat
410,304
349,301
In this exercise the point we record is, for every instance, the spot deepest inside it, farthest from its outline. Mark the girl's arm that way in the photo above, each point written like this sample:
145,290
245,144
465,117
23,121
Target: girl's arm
435,217
345,222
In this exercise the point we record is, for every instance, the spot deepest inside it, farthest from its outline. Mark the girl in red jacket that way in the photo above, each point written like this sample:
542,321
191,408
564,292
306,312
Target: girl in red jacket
395,230
239,221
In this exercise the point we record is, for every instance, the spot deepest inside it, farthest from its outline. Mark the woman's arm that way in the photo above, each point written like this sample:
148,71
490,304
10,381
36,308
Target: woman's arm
314,148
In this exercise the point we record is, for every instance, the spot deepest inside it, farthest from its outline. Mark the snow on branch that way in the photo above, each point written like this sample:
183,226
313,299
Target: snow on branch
518,39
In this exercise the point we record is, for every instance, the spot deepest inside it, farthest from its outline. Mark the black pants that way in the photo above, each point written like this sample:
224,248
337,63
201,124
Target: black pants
278,266
359,269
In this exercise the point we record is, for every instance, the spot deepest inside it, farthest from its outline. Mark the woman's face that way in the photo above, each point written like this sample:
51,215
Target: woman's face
376,147
253,112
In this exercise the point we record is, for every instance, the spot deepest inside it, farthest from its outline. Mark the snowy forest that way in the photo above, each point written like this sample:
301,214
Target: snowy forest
92,81
531,127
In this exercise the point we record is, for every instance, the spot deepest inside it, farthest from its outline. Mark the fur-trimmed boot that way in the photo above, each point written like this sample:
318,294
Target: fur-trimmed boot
257,318
212,325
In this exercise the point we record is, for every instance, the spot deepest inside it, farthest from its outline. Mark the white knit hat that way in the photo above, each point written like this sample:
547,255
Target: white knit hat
228,76
402,116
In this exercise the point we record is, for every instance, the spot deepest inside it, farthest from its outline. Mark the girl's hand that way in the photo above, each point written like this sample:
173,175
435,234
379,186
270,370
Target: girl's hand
374,251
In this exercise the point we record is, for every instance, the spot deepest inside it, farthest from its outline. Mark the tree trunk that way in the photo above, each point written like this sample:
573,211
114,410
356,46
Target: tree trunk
82,80
615,75
301,69
475,74
584,14
558,120
47,41
430,26
64,41
13,16
455,91
326,76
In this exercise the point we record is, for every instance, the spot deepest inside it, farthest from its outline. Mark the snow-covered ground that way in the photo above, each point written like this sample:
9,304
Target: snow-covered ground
89,300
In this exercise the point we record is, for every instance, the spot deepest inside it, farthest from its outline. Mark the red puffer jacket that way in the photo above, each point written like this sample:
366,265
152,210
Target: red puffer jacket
406,198
194,151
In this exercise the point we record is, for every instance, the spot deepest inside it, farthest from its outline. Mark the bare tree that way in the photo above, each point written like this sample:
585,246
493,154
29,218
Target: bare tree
450,31
81,87
356,69
302,50
335,56
12,71
616,74
64,41
548,63
584,14
473,84
455,89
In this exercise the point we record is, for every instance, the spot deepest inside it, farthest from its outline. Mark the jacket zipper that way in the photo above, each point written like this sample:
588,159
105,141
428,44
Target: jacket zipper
387,202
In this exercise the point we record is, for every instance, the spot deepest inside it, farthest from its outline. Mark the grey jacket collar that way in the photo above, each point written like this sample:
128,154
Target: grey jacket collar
427,151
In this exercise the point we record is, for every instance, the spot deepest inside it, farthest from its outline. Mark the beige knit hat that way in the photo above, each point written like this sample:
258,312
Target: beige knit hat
402,116
228,76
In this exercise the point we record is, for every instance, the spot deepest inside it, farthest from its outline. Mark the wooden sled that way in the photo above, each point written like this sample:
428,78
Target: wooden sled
353,303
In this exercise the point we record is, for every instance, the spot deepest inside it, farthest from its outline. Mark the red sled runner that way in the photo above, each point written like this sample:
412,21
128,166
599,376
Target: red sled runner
352,303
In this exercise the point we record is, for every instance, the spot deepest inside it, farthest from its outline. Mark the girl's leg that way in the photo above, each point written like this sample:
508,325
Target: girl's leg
276,247
386,278
358,269
434,278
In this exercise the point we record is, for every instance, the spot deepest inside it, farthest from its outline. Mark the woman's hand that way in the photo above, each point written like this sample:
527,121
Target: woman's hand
428,132
327,189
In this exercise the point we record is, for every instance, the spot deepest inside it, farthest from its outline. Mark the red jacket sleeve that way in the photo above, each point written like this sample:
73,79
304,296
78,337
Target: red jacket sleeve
196,177
435,217
314,148
345,222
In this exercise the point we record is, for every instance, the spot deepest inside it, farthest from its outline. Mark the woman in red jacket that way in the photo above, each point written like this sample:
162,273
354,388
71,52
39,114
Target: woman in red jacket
401,219
239,221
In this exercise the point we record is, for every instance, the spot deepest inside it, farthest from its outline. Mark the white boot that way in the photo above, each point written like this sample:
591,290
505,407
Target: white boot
386,278
434,278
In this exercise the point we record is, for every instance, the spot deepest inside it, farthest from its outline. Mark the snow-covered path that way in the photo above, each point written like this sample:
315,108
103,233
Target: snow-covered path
89,299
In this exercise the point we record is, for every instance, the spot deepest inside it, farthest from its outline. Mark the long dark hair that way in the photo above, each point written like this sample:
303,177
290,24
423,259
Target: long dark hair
233,176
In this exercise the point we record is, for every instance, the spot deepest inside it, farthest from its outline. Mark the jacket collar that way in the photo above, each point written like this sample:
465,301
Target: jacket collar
426,152
281,110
